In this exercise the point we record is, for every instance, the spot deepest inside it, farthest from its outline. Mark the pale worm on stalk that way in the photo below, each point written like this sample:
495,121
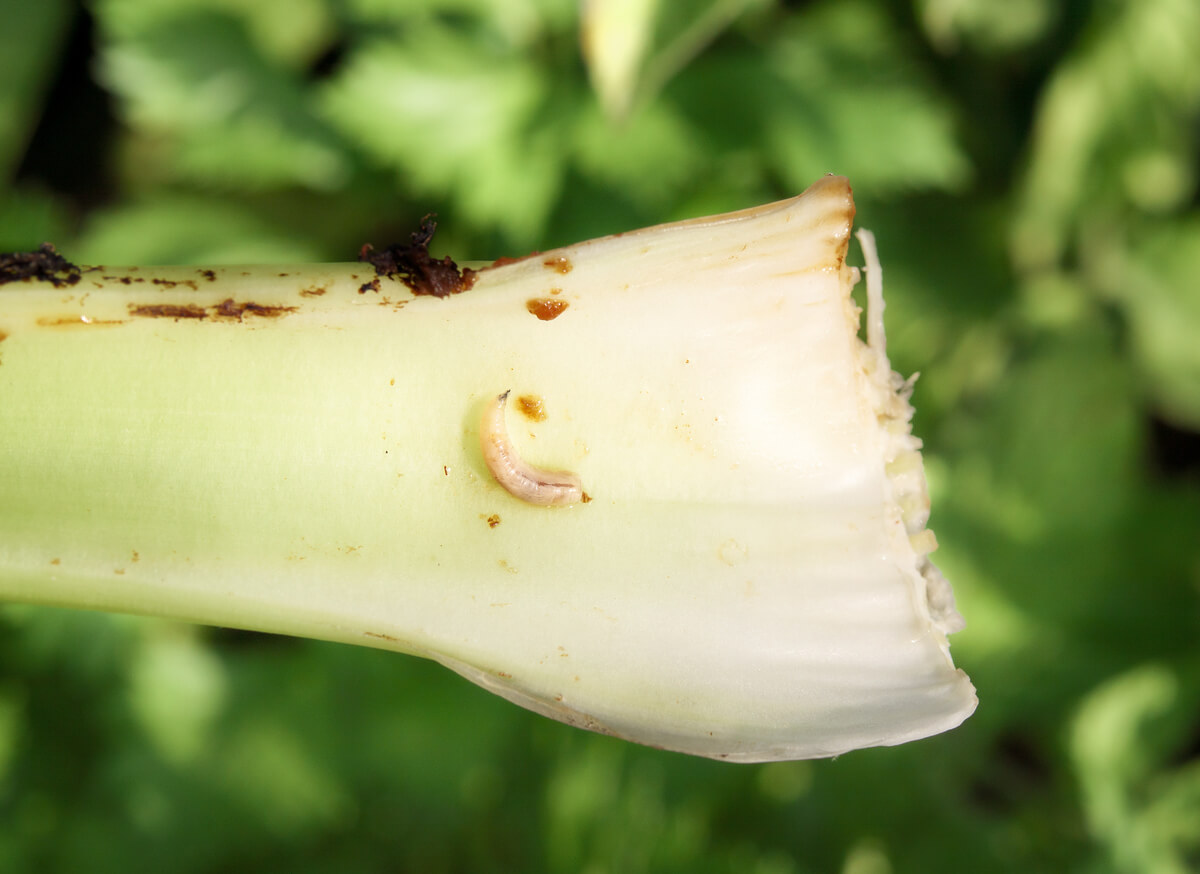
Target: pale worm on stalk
546,488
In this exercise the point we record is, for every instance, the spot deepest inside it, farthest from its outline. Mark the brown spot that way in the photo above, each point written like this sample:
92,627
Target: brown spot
561,264
392,381
556,291
415,267
285,274
532,407
210,275
168,311
373,285
445,470
172,283
314,291
546,308
136,557
3,336
119,571
381,636
228,309
231,309
56,561
504,675
44,265
493,520
505,259
586,499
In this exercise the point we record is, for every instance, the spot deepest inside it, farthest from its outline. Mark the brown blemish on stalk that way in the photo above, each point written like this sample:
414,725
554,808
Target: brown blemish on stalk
415,267
380,636
172,283
546,308
373,285
532,407
493,520
56,561
231,309
210,275
504,260
314,291
168,311
44,265
228,310
561,264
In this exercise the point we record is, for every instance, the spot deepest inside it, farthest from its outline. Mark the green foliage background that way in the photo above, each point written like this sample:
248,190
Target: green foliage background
1030,169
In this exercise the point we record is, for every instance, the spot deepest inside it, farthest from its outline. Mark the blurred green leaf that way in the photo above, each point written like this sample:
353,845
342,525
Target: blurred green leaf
30,36
989,25
229,114
29,218
650,157
1124,733
1130,90
289,33
857,104
181,229
455,120
1156,286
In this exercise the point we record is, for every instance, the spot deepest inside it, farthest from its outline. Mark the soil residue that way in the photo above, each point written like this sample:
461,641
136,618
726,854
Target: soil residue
415,267
44,265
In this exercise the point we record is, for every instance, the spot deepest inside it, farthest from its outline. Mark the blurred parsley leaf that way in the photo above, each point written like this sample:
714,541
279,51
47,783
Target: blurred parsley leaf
456,118
1130,90
226,112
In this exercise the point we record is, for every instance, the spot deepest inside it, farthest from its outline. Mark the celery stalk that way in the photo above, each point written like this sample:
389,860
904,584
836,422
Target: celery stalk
278,449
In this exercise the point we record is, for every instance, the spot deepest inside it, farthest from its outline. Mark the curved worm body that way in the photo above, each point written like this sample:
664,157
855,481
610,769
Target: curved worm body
546,488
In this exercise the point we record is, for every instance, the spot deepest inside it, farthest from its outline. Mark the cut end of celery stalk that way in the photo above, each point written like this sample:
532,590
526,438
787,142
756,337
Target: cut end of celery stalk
292,450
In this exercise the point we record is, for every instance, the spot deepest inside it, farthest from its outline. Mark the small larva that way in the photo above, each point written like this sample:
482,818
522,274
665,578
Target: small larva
547,488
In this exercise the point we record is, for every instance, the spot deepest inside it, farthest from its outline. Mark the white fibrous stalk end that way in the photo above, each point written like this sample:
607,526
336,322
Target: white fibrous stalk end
891,393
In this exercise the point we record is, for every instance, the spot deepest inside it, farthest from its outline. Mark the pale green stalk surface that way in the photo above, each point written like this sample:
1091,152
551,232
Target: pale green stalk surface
748,579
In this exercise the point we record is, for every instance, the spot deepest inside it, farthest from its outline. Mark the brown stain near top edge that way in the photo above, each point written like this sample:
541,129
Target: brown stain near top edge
505,260
532,407
561,264
546,308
